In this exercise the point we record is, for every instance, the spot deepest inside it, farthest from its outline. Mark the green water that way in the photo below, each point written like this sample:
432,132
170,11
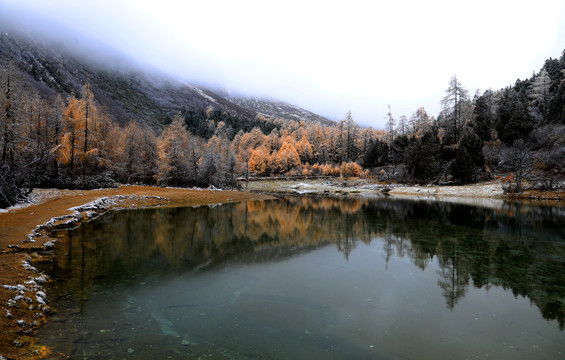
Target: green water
313,278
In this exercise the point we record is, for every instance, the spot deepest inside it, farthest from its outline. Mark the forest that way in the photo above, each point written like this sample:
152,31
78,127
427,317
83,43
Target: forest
517,132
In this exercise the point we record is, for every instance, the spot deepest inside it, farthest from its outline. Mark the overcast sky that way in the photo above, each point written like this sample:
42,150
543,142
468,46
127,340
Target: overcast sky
326,56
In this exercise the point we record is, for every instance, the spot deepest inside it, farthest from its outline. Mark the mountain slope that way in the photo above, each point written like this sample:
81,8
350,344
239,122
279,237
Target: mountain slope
126,93
277,109
125,90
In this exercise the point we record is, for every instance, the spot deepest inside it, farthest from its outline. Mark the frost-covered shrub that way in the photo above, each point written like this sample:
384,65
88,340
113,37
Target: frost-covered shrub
94,182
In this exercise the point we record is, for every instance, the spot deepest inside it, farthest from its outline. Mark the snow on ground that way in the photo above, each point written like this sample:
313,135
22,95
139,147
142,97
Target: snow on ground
485,194
476,190
39,196
87,211
367,187
201,93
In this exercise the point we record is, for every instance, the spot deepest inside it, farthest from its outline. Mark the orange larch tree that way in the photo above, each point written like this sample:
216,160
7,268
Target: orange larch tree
70,149
305,150
173,146
134,153
287,158
259,161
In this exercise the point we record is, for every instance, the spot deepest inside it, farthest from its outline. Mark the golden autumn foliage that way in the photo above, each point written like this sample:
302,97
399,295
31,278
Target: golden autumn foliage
82,139
305,149
77,141
350,169
173,159
259,161
73,116
252,140
286,158
330,170
64,150
306,170
316,170
292,223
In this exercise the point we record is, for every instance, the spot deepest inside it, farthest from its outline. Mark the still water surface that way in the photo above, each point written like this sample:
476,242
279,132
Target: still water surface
312,278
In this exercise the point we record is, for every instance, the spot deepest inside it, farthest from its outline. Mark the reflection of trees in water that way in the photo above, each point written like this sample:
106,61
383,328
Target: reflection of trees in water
453,280
519,248
507,247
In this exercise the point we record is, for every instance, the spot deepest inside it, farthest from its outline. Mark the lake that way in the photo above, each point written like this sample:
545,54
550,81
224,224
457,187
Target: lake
312,278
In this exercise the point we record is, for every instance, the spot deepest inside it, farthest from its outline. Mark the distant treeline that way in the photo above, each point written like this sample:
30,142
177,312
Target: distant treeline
71,142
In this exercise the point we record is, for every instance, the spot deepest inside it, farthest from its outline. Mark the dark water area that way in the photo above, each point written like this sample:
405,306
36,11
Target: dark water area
312,278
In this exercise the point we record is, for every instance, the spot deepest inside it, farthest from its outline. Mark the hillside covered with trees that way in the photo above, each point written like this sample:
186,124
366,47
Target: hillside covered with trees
53,138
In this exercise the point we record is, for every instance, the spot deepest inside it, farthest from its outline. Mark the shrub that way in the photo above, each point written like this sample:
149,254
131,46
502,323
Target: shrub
317,170
350,169
330,170
94,182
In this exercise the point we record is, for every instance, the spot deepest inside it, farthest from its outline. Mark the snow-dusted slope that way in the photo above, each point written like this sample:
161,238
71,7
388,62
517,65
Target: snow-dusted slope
277,109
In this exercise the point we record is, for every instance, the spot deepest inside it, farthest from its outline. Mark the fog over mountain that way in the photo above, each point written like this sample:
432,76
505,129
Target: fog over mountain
126,89
325,57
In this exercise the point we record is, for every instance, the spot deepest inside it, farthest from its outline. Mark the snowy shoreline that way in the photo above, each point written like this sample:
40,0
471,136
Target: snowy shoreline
365,187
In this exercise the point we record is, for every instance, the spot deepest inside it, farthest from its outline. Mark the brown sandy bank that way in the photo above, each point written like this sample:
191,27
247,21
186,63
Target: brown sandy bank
23,303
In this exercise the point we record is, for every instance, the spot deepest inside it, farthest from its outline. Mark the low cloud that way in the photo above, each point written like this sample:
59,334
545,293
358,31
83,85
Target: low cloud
328,58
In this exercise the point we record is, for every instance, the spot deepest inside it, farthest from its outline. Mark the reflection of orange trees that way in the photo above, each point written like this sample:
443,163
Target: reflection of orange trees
168,241
490,252
274,219
185,237
350,206
300,221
